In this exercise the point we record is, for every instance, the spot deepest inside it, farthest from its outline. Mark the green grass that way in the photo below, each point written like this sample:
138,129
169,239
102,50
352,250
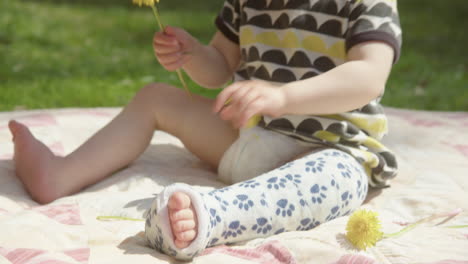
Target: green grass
88,53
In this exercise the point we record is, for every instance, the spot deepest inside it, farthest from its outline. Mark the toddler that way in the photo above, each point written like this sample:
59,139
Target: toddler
312,70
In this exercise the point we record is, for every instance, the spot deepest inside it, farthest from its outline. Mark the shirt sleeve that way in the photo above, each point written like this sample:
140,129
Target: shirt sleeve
228,20
375,20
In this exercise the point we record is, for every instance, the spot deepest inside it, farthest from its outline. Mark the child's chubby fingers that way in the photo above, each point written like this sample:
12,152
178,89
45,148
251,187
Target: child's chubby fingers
236,104
224,97
250,115
167,59
162,38
177,64
160,49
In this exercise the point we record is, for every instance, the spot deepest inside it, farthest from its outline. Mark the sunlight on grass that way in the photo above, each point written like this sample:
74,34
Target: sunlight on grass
85,53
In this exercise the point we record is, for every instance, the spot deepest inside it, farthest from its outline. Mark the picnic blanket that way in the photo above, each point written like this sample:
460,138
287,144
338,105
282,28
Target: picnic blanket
432,150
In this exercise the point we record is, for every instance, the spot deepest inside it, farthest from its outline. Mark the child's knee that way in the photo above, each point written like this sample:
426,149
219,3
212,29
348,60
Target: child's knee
152,91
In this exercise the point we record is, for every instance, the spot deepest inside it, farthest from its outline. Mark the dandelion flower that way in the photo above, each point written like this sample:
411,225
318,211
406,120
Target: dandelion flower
363,229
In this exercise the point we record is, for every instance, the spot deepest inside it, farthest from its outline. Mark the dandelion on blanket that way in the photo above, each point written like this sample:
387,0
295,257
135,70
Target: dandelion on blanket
364,229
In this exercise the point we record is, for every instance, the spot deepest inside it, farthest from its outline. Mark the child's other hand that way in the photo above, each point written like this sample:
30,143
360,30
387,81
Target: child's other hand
242,100
173,47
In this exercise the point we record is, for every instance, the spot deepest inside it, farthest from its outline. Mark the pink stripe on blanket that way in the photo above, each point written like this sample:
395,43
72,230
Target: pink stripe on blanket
37,256
269,253
68,214
93,112
20,255
37,120
458,116
463,149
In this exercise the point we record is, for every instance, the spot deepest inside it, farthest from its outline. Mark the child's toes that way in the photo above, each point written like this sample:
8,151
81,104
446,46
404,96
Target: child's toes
183,225
181,244
179,201
187,236
183,219
178,215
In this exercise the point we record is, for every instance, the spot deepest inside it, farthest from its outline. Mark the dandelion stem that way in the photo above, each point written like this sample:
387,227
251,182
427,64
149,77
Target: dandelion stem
401,232
158,18
458,226
448,216
162,28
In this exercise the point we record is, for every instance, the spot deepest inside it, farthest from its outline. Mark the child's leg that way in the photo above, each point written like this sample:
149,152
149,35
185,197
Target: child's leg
297,196
157,106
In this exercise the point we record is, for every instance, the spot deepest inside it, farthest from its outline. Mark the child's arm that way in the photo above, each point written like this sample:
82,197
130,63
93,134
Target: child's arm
210,66
347,87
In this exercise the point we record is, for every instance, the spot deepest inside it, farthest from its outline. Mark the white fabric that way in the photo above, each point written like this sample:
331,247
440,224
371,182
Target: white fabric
255,152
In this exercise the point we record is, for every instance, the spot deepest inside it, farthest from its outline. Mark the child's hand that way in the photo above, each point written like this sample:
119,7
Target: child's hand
173,47
242,100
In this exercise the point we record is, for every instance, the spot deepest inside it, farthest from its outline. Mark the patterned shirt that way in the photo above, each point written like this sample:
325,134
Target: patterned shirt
288,40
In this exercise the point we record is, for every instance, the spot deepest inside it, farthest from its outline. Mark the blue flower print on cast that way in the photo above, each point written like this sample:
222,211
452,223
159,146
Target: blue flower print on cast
249,184
334,213
263,202
286,166
302,202
222,190
262,226
315,165
344,169
149,219
158,241
214,218
337,154
345,198
295,179
358,169
235,229
335,184
194,254
284,208
279,231
307,224
360,190
222,203
243,202
275,182
171,252
213,242
318,193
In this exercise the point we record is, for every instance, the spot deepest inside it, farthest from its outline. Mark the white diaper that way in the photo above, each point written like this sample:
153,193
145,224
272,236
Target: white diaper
256,151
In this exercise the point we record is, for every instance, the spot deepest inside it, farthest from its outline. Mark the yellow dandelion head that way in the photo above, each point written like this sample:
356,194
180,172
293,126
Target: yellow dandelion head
363,229
145,2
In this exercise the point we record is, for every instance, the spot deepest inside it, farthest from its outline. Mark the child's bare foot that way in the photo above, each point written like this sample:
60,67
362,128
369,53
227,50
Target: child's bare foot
34,163
183,219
